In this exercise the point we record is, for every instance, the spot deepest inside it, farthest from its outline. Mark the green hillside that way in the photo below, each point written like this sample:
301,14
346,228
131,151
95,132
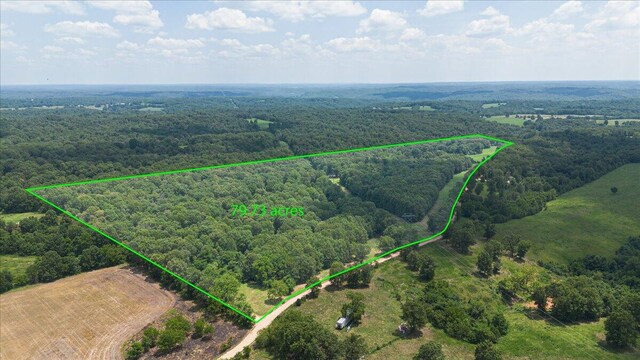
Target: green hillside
587,220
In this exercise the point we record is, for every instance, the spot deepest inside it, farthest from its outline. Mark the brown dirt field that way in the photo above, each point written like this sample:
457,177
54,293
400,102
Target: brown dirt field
87,316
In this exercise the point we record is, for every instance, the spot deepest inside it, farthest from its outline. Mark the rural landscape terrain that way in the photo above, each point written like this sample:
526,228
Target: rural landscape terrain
320,180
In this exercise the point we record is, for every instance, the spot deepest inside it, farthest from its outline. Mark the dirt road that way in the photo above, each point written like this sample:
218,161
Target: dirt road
253,333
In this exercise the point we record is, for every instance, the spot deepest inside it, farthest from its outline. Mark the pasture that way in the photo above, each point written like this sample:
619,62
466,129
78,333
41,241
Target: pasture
587,220
507,120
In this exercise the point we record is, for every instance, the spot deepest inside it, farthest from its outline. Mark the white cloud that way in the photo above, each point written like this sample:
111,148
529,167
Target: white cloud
496,23
10,45
358,44
175,43
43,7
440,7
300,10
52,49
5,31
228,19
81,28
235,48
70,40
382,20
567,9
411,34
139,14
616,14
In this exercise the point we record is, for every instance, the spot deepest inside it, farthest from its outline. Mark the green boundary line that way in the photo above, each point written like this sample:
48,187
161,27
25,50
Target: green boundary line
32,190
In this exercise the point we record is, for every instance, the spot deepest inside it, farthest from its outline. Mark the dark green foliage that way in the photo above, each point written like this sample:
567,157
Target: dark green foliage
178,322
135,351
360,277
486,351
461,237
201,328
578,298
621,329
485,263
614,190
170,339
464,320
489,231
414,313
6,281
315,290
51,266
427,267
150,337
354,309
522,248
355,347
430,351
277,289
298,336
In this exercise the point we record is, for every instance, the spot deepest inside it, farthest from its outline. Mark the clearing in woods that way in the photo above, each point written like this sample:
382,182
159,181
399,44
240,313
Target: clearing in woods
87,316
102,206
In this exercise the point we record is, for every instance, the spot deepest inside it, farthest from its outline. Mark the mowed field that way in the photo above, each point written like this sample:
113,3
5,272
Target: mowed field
87,316
507,120
587,220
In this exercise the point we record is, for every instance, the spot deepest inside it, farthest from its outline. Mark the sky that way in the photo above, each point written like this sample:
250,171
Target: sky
216,42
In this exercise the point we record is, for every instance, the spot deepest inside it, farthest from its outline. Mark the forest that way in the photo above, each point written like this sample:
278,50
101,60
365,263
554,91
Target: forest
183,221
350,202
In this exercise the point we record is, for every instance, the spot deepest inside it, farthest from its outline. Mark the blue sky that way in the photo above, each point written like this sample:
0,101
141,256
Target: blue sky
114,42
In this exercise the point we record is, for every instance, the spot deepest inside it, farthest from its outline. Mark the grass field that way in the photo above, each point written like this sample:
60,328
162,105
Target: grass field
262,124
87,316
587,220
15,218
257,298
426,108
507,120
486,152
17,265
492,105
528,337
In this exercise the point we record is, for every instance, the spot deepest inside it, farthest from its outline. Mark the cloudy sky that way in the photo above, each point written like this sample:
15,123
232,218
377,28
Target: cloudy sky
98,42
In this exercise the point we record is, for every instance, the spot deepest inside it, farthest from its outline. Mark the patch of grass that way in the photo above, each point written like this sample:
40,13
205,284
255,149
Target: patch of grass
507,120
426,108
492,105
256,297
262,124
544,339
151,108
17,265
16,218
486,152
587,220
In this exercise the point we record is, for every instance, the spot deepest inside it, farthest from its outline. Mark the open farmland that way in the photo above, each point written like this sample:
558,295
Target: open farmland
80,317
587,220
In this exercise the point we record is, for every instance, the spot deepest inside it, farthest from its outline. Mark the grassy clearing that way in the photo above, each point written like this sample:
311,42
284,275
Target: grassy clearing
507,120
587,220
426,108
486,152
16,218
257,298
262,124
492,105
151,108
17,265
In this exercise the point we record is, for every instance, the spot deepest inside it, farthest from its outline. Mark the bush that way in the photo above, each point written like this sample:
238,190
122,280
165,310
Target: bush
202,328
135,351
150,337
170,339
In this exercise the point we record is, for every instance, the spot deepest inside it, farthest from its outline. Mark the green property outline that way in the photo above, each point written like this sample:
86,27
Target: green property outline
506,144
